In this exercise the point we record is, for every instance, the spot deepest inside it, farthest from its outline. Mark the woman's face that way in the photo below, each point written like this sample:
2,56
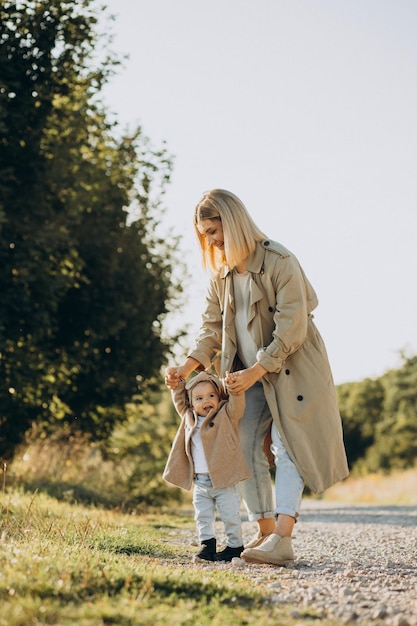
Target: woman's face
212,230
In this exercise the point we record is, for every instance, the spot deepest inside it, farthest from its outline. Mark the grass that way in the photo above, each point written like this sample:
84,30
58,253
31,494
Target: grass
396,488
61,564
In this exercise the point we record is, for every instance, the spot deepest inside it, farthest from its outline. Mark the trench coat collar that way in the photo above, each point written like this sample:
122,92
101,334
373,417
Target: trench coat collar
254,261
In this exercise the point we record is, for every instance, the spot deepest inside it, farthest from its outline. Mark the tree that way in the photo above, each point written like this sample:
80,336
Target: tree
86,280
379,418
361,406
395,444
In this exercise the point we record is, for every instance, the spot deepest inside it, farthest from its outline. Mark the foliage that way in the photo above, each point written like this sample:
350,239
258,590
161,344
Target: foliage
123,473
395,445
64,564
361,405
86,280
143,443
380,420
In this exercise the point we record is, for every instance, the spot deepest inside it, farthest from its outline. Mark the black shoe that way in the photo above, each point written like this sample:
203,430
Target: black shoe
229,553
208,550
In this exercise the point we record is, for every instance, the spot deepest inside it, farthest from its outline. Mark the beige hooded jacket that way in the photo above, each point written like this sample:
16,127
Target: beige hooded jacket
219,435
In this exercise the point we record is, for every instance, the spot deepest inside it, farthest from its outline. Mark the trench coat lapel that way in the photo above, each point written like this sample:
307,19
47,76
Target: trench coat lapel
255,294
229,310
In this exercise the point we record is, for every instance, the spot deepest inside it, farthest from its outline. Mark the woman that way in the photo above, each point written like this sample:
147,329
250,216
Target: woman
258,326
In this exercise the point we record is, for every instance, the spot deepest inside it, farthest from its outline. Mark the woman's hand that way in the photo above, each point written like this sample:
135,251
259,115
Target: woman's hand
173,375
240,381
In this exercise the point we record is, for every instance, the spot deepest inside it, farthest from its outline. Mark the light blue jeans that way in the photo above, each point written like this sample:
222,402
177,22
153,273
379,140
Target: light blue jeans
289,485
257,492
227,500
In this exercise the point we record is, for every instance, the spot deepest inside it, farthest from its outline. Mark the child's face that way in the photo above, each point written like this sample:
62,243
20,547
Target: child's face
204,398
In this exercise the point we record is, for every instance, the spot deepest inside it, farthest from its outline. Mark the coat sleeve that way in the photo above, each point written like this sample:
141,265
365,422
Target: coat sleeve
178,469
235,407
179,398
209,339
291,313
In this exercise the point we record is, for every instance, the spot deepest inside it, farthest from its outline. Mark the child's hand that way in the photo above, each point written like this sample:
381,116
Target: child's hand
229,381
229,376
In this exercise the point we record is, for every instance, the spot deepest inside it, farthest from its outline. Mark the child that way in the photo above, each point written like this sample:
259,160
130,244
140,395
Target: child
206,451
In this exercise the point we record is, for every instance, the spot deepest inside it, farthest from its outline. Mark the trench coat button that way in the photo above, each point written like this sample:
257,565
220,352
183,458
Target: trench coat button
211,424
270,308
300,398
266,243
287,372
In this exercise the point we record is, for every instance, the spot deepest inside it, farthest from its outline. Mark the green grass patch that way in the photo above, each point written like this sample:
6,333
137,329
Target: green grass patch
64,564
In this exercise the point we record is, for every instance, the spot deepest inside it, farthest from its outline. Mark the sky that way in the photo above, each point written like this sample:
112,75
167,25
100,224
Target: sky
307,110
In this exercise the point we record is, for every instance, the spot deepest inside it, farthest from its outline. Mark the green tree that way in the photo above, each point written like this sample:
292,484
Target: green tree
86,281
361,407
380,420
395,443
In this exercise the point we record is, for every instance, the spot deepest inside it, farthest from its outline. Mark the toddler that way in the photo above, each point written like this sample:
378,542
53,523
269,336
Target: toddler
206,451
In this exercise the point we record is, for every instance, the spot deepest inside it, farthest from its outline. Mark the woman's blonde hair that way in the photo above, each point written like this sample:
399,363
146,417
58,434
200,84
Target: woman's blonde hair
239,230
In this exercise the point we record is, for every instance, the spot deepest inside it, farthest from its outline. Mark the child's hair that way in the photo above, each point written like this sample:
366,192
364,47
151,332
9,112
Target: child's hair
205,377
239,230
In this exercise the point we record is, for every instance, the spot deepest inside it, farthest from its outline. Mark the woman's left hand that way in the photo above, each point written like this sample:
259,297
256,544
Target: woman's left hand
240,381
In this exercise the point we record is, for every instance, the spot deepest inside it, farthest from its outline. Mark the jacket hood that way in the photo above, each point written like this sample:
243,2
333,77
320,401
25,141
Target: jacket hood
203,377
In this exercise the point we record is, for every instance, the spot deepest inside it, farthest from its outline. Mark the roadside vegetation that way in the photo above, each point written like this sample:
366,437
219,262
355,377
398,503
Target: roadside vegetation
64,564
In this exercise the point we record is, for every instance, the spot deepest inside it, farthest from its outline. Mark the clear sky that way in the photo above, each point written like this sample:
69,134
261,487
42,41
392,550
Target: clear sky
307,110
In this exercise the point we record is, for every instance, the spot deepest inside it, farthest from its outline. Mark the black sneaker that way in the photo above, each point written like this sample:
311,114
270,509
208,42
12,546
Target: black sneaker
229,553
208,551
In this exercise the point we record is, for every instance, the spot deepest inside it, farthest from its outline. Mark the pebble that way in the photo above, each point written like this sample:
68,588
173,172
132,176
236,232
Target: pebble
356,564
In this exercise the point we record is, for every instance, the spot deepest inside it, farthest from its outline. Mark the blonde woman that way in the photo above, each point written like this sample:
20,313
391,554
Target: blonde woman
258,325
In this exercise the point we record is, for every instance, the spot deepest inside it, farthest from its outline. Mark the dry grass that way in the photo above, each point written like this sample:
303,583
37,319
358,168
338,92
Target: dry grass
398,488
76,472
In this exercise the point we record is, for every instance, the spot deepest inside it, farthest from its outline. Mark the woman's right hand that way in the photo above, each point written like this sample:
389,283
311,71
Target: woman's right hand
173,376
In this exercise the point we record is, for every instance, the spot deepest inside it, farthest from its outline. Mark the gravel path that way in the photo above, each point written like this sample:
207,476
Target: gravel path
354,564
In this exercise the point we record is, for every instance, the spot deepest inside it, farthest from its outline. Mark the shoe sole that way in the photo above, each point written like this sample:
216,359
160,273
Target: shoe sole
197,559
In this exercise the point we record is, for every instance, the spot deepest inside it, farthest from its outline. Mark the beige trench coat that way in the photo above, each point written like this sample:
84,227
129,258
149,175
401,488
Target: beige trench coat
298,386
219,435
